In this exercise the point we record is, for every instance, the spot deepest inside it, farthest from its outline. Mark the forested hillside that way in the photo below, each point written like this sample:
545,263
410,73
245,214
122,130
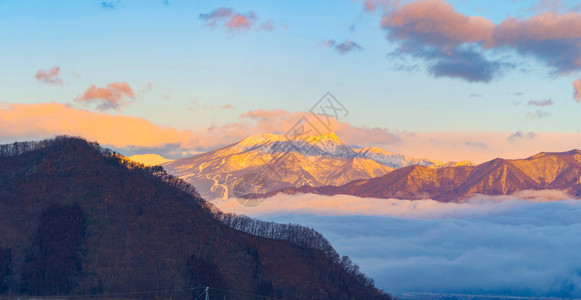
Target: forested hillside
78,219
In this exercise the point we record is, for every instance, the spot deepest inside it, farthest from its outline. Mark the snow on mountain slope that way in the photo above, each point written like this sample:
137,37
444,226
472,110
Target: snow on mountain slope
305,160
396,160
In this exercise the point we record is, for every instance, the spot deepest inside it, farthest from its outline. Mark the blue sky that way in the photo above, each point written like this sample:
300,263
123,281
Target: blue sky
190,65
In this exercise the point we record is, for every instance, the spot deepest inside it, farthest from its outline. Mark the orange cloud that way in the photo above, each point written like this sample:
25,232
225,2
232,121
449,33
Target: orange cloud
577,90
50,76
45,120
282,122
110,97
30,121
239,22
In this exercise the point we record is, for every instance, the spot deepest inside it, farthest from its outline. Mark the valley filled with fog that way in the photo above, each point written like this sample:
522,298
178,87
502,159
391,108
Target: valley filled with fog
525,245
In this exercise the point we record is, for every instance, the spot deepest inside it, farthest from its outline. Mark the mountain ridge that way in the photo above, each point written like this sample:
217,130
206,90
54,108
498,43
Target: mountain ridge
305,160
545,170
78,219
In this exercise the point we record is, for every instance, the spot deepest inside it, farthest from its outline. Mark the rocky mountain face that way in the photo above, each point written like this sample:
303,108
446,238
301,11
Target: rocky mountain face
306,161
309,160
78,219
559,171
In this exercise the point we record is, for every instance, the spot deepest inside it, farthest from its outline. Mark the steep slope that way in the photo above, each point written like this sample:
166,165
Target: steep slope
308,160
561,171
77,219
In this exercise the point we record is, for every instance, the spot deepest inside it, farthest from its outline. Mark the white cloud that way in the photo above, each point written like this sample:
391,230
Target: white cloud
489,245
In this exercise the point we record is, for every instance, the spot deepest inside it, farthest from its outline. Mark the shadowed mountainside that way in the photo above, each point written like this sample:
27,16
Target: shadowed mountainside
558,171
78,219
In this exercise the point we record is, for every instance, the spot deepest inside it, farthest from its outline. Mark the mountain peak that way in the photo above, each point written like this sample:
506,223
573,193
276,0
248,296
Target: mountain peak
570,152
330,136
271,137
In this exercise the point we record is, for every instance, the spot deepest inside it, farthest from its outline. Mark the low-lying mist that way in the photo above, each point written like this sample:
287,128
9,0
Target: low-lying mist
526,245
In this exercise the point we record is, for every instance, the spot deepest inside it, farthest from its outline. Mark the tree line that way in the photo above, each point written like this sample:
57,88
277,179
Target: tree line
295,234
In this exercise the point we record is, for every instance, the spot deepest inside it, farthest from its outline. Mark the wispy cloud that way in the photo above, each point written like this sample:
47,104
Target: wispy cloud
110,4
50,76
577,90
520,135
113,96
281,121
268,25
235,21
477,144
537,115
546,102
343,48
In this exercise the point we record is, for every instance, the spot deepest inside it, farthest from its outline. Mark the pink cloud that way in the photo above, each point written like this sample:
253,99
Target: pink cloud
45,120
266,114
372,5
577,90
239,22
281,121
541,27
113,96
227,106
369,6
234,21
50,76
436,22
454,44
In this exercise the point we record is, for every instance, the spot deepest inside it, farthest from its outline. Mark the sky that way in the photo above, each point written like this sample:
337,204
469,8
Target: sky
447,80
520,245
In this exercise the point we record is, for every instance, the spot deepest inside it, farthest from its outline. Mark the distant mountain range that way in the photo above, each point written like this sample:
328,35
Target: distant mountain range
559,171
305,161
149,159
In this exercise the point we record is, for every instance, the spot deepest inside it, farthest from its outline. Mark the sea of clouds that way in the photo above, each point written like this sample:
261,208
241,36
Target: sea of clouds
524,245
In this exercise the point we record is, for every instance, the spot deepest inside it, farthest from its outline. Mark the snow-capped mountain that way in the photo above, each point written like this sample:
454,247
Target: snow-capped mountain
304,161
396,160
